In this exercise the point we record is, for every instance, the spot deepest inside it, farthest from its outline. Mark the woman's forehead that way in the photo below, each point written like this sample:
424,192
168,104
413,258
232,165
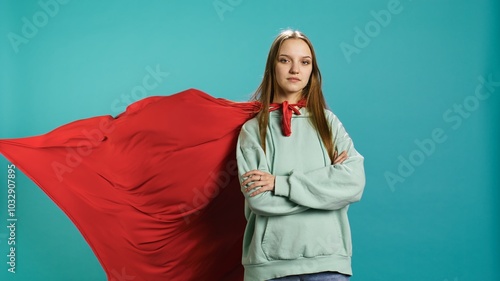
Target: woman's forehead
295,47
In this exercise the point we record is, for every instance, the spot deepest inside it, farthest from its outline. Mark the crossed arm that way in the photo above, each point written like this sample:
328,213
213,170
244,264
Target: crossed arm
258,181
328,188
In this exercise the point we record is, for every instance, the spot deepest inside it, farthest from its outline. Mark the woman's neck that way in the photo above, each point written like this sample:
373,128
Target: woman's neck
290,98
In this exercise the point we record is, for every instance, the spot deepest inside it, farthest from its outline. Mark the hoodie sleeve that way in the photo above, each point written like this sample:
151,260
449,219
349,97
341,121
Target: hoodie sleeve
331,187
251,156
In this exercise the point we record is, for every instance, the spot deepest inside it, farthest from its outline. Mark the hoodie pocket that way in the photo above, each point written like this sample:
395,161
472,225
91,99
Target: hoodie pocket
307,234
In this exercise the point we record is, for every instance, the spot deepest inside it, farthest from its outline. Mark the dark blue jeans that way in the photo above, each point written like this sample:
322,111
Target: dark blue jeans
322,276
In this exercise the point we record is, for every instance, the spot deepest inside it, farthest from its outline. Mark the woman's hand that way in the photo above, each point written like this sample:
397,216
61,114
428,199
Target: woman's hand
339,159
257,182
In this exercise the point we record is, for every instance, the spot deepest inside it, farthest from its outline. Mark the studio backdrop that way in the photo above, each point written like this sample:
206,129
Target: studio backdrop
416,83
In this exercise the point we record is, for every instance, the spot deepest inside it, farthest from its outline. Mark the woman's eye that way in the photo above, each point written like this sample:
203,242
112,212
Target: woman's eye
283,60
306,62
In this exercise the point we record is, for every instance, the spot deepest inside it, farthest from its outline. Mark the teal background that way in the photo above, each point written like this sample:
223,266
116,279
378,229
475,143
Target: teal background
441,223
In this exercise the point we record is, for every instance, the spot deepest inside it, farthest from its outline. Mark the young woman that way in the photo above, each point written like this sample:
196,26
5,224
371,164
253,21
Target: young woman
299,173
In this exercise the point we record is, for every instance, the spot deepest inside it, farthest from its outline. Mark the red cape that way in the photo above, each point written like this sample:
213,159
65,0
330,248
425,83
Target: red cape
153,191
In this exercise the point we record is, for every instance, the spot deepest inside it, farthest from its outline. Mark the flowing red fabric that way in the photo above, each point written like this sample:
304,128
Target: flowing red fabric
153,191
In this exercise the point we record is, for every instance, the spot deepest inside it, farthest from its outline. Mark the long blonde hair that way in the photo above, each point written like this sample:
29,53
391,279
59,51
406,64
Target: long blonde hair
312,92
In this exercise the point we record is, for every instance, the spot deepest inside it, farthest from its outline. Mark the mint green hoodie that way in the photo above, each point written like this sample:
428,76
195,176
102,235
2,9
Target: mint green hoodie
302,226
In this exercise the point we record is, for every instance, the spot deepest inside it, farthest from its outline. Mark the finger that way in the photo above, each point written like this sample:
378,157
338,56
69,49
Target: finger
252,172
255,184
252,189
341,158
249,178
245,182
258,191
253,176
251,186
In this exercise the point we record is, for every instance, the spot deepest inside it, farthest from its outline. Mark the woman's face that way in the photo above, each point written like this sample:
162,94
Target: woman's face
293,69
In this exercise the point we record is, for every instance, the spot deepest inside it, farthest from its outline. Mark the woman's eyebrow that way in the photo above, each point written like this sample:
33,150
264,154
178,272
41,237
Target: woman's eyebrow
285,55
